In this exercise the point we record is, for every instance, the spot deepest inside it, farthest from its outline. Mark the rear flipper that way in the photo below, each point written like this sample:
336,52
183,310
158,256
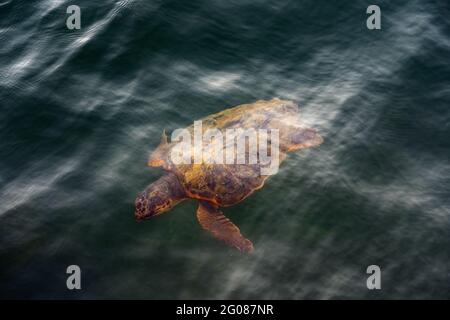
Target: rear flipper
300,138
213,220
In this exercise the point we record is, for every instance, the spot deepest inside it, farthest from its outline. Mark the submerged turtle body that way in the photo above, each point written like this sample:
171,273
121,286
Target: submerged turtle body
223,184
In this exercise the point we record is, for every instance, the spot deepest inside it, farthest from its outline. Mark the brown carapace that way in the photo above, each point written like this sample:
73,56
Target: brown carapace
217,185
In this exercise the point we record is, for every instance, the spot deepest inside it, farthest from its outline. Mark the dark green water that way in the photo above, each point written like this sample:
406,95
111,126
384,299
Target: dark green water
82,109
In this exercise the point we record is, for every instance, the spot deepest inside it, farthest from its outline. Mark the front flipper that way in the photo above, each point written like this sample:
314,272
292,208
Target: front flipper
158,156
213,220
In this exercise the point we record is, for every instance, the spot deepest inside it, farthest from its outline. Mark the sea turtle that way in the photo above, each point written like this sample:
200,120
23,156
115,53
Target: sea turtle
217,185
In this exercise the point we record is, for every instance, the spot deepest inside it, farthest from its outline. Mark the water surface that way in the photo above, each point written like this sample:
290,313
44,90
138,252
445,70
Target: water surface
82,109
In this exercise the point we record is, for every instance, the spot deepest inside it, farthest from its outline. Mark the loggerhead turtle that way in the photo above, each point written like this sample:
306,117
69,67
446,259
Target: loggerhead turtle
222,185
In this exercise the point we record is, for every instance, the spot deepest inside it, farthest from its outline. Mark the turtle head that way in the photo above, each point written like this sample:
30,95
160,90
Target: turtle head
150,203
158,197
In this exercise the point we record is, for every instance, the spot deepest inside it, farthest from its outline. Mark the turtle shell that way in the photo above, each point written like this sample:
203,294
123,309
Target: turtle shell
227,184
